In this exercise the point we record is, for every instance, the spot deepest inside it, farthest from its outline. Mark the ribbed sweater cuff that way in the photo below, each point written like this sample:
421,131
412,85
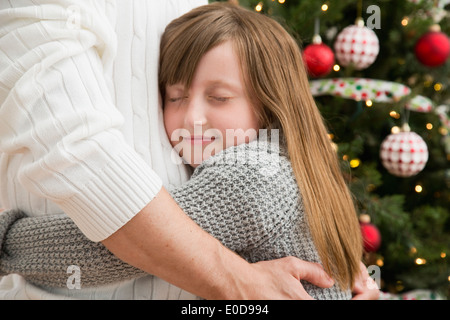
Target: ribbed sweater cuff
117,193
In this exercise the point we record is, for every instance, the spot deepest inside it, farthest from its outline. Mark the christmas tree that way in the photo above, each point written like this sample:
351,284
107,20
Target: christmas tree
405,86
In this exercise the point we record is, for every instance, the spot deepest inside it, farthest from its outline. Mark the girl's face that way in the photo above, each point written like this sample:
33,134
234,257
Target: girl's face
215,112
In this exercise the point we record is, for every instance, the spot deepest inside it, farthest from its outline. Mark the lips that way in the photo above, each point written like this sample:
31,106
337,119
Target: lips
200,139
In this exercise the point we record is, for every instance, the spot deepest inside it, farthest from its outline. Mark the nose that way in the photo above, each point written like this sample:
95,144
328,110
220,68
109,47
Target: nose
195,113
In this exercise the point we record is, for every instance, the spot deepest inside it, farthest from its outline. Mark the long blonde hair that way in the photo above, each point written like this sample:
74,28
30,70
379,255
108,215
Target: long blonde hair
275,75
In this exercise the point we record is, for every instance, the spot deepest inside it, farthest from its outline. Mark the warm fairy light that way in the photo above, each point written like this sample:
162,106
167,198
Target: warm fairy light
324,7
354,163
336,67
429,126
369,103
438,86
380,262
399,286
259,7
420,261
427,83
418,188
281,1
405,21
443,255
394,114
413,250
395,129
443,131
345,157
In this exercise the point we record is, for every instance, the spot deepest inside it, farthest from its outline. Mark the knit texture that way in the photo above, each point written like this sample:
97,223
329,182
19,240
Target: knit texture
43,248
245,196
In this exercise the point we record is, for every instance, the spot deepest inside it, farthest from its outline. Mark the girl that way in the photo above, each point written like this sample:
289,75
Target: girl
222,69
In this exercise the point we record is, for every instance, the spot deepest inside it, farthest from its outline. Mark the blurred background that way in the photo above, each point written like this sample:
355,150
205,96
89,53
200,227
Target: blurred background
380,72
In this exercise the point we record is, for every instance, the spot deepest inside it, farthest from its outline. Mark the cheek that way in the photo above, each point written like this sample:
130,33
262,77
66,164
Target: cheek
171,123
243,126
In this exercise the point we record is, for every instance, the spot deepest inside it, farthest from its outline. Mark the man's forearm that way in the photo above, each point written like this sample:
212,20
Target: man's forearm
167,243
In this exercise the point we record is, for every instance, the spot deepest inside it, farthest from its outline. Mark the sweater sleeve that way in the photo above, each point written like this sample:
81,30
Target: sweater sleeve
57,113
42,250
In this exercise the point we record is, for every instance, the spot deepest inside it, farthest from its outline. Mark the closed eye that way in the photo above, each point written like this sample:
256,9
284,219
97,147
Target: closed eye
220,99
172,100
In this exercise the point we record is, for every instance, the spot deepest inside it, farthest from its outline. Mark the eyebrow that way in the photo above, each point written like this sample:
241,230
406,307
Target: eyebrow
211,84
227,84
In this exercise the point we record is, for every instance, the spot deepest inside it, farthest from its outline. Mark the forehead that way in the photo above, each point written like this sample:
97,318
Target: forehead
219,66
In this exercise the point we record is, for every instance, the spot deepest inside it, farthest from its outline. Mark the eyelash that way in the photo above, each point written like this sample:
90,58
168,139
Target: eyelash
172,100
219,99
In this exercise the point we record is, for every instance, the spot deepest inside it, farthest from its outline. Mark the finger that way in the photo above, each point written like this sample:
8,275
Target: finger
303,295
311,272
367,295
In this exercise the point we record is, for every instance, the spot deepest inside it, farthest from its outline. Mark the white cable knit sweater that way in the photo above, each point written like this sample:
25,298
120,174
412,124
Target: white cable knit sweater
80,123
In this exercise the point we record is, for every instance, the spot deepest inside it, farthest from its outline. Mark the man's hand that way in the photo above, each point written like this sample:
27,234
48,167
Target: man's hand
365,287
280,279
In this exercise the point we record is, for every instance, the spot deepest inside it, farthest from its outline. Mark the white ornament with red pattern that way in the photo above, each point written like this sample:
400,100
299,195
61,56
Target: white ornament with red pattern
357,45
404,154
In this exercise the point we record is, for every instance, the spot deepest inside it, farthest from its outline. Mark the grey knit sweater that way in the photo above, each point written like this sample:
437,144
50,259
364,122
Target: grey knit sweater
245,196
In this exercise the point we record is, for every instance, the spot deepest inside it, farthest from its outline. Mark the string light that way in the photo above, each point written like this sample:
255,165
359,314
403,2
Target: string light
380,262
405,21
418,188
324,7
429,126
443,255
438,86
259,7
354,163
369,103
281,1
399,286
420,261
394,114
395,129
427,83
336,67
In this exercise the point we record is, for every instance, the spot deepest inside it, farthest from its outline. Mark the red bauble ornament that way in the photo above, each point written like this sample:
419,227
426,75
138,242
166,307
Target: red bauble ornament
404,154
370,234
433,48
319,58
